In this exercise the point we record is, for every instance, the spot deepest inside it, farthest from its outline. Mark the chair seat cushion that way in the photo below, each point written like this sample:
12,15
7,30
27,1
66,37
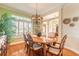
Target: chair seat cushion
56,45
53,50
36,46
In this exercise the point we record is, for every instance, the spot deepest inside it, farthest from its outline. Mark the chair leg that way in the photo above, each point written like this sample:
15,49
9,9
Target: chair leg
29,52
42,52
33,53
1,53
46,53
61,54
26,49
5,53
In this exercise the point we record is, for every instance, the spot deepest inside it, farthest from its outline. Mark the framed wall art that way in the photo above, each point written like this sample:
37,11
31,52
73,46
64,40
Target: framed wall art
72,24
66,20
75,19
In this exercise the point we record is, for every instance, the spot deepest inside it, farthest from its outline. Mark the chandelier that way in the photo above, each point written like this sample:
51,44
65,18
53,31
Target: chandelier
36,16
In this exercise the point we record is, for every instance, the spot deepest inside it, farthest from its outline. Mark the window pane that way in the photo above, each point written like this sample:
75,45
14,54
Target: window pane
45,28
30,27
20,27
25,27
16,25
52,25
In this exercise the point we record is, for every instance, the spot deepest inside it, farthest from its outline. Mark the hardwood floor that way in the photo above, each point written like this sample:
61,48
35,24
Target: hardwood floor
18,50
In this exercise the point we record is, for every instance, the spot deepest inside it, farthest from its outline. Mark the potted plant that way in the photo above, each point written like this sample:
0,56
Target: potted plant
7,26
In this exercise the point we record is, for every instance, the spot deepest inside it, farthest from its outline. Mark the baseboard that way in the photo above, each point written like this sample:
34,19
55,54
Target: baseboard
72,49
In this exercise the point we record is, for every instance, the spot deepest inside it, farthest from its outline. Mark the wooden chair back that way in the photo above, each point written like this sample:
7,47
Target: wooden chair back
25,38
30,40
62,43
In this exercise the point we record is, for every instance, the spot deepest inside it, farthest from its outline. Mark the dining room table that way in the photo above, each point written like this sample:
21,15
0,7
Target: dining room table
43,40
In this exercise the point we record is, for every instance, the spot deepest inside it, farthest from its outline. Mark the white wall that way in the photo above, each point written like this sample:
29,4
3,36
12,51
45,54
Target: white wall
70,11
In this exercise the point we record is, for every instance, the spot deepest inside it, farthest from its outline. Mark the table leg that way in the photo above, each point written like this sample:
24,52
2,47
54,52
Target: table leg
44,49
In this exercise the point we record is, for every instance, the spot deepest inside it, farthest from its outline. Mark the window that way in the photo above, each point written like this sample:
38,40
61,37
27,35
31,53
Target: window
20,27
44,28
50,23
26,27
30,27
16,24
23,25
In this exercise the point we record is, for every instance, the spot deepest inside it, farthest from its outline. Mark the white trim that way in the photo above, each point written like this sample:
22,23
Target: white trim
72,49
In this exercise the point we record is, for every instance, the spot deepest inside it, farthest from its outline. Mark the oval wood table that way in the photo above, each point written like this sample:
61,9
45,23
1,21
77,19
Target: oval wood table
43,41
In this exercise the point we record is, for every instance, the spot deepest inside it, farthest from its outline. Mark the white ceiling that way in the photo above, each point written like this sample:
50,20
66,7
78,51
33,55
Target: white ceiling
30,8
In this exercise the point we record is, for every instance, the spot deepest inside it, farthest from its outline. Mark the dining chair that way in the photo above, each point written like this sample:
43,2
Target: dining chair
26,42
57,49
33,46
3,46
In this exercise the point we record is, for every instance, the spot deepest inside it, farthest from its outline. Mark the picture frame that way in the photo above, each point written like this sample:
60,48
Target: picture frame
66,20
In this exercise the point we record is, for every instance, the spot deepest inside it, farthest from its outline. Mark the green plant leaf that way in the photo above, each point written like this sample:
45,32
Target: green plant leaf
7,25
